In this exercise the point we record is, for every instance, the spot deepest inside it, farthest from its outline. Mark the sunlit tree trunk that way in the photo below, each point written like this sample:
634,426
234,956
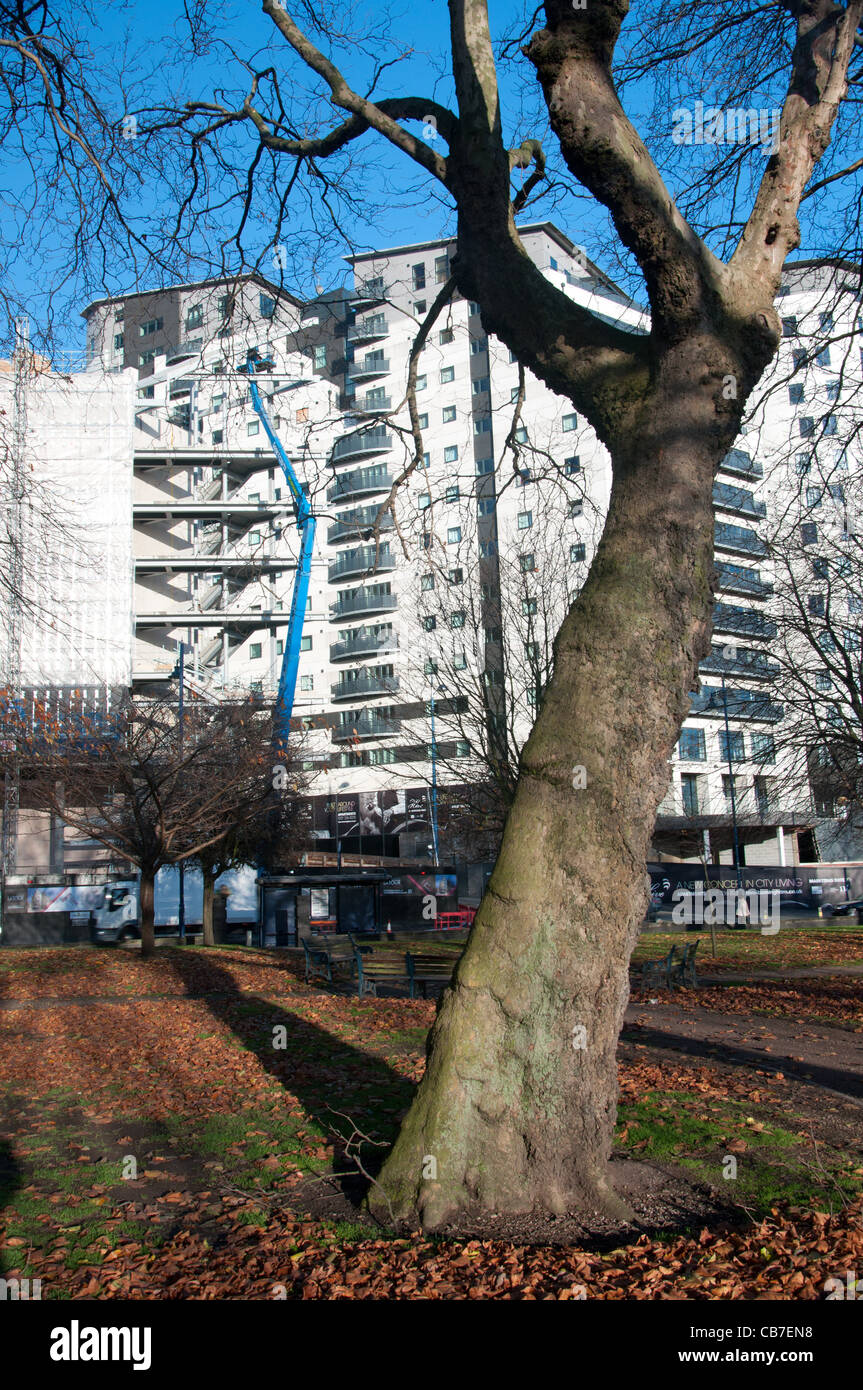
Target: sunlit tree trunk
148,912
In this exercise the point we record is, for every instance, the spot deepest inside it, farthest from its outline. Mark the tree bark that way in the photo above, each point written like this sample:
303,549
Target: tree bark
148,912
518,1104
208,936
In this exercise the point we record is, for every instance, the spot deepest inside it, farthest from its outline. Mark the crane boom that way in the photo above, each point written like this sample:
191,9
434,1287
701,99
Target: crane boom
306,523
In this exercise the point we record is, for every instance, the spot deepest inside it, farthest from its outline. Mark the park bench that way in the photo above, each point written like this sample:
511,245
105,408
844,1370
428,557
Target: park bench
383,969
678,967
324,953
426,970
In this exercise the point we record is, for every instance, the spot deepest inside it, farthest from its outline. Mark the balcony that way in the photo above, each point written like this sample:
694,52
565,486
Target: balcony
740,463
738,500
360,483
742,704
367,726
368,292
372,404
367,371
750,663
369,330
745,621
361,561
738,540
736,579
357,523
361,601
364,643
364,685
362,443
192,347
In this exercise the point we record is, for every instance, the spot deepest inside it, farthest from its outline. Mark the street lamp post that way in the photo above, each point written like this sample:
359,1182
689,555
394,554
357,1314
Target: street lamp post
435,842
731,784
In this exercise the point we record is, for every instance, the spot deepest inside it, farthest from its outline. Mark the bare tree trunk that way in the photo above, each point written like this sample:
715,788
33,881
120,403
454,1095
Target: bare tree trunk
517,1108
208,938
148,912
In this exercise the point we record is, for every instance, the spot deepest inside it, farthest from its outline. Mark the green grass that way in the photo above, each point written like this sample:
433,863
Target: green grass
748,949
775,1166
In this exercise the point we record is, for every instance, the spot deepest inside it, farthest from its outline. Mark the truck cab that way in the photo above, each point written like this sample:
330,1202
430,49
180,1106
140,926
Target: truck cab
117,919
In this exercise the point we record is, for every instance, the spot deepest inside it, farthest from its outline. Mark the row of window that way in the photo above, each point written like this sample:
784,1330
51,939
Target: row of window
692,746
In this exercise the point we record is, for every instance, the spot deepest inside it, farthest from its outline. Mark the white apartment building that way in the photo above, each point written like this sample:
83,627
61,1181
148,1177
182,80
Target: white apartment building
442,609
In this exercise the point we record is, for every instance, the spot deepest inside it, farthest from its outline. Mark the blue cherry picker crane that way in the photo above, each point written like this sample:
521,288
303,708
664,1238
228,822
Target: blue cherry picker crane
306,522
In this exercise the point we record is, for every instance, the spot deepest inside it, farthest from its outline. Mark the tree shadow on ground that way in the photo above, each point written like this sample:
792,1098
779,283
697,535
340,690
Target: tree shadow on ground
338,1085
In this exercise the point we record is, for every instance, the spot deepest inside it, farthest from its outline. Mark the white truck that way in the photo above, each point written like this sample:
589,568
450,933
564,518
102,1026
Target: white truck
118,918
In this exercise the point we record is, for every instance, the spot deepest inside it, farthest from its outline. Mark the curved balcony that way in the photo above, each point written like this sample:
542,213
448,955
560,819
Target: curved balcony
363,686
367,726
367,293
736,579
738,540
361,444
369,330
360,482
367,371
740,463
738,500
363,643
742,704
745,621
747,662
361,561
359,523
362,602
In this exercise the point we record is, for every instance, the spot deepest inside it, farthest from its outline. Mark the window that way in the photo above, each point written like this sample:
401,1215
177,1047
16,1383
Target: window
577,553
266,305
795,392
457,618
146,393
441,269
420,307
692,746
485,465
453,535
447,374
729,786
820,568
450,453
513,394
689,791
525,521
833,391
427,583
576,508
825,321
477,346
423,422
452,493
445,336
527,563
459,660
482,426
280,647
195,316
146,330
462,748
424,501
837,492
823,358
305,644
528,607
254,651
731,746
118,340
798,357
218,436
257,687
521,435
552,263
422,383
418,273
319,356
763,748
254,538
813,496
430,667
485,506
253,427
481,385
492,634
473,307
525,476
144,358
225,306
572,465
831,424
448,414
254,497
568,423
802,464
456,576
806,425
808,533
487,549
789,327
816,605
307,683
429,622
426,463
